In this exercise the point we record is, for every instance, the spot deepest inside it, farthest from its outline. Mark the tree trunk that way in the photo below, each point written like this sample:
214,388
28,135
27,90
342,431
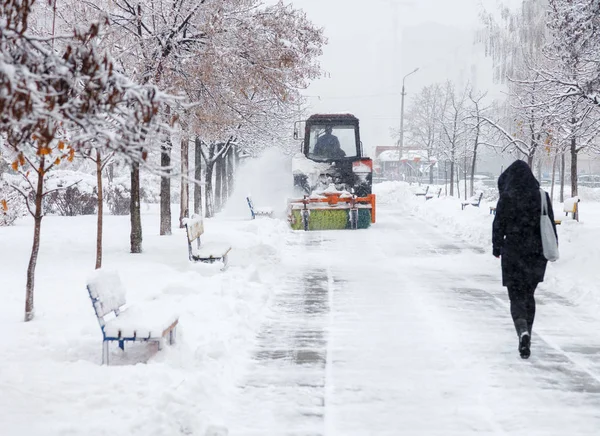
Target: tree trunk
208,193
100,210
197,177
458,182
230,170
574,190
553,176
184,209
465,175
135,210
431,166
165,188
562,178
452,175
446,178
111,172
533,143
474,163
37,218
218,199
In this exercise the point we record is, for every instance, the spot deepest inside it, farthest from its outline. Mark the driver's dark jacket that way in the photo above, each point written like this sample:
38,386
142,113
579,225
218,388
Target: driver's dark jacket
328,146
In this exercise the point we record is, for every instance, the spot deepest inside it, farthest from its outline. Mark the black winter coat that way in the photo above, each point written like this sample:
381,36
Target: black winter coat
516,229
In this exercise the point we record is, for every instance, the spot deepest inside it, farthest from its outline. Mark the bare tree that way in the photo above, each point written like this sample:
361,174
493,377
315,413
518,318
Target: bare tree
478,130
100,162
454,128
572,75
422,119
184,209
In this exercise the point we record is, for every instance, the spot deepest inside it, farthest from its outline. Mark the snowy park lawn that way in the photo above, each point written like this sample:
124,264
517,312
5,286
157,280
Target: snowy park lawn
51,380
574,276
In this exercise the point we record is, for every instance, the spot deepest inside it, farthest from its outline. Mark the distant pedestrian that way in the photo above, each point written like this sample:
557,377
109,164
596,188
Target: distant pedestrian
517,238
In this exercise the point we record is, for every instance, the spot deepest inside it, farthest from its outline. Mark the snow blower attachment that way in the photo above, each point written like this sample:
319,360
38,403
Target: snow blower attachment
331,177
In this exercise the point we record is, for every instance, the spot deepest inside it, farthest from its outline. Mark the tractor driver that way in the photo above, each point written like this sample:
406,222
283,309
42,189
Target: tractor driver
328,145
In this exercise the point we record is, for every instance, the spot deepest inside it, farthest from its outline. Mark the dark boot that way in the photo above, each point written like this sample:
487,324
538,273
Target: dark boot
524,337
524,345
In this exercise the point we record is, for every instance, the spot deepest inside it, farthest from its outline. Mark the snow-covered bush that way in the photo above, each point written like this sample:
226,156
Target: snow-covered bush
71,193
117,193
150,189
490,191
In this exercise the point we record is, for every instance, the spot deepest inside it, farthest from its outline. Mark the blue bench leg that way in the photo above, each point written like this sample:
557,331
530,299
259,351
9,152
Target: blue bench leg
122,345
105,353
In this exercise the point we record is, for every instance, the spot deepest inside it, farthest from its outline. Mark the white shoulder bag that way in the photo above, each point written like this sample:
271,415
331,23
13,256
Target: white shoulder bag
549,241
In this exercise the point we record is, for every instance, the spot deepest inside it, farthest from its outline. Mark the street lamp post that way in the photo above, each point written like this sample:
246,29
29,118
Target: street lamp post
401,142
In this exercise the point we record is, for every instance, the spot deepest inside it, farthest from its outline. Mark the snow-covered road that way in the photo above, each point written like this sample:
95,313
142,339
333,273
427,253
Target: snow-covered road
401,330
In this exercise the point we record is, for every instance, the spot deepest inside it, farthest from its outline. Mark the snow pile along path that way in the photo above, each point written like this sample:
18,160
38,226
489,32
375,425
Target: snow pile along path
51,380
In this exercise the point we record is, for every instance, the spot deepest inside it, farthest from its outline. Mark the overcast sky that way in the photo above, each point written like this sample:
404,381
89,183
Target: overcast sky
364,56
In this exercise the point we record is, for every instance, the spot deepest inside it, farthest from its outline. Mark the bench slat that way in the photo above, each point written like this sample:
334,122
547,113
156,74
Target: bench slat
143,323
106,291
194,228
258,211
204,252
214,250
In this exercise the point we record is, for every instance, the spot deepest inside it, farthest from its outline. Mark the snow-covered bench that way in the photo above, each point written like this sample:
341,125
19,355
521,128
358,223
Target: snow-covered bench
258,211
475,200
422,193
148,323
209,252
430,196
570,206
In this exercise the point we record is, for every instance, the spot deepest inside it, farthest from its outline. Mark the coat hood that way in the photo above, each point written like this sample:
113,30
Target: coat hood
517,178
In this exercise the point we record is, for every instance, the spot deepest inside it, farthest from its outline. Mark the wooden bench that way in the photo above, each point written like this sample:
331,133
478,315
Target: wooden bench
208,253
260,211
475,200
423,193
430,196
131,324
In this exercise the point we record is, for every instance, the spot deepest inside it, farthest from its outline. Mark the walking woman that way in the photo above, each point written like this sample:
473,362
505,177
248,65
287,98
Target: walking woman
517,238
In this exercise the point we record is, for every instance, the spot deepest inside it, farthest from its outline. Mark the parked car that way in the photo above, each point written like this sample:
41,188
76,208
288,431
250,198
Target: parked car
485,179
589,180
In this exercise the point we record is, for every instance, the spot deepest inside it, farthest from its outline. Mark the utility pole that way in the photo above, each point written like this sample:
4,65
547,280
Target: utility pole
401,142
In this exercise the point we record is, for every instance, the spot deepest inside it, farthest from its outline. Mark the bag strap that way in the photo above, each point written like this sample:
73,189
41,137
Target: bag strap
544,204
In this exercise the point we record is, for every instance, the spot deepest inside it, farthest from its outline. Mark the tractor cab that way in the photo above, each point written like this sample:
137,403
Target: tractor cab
332,138
331,155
